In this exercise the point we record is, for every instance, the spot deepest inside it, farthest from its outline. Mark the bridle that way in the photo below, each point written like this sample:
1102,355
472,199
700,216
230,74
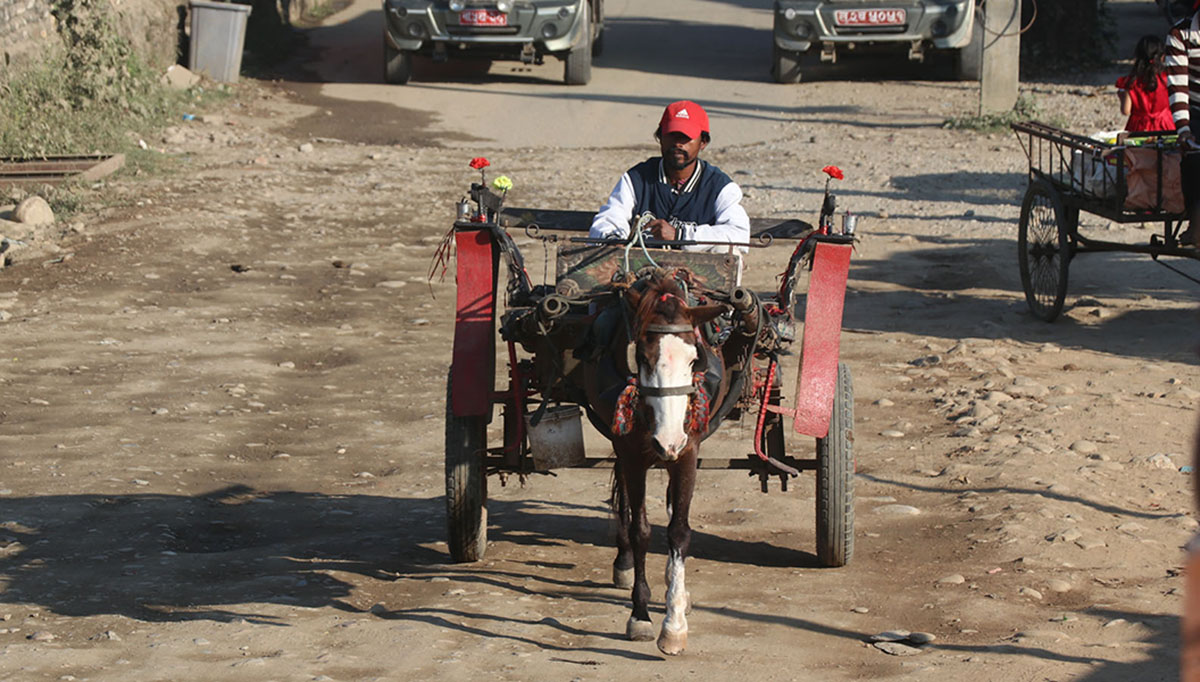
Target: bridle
698,398
664,391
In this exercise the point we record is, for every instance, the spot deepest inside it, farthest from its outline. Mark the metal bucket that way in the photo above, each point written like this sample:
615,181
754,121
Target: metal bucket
557,440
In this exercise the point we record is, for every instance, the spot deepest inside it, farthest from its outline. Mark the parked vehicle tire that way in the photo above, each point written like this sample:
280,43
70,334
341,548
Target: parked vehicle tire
785,65
598,38
466,483
397,65
968,64
835,478
577,69
1044,250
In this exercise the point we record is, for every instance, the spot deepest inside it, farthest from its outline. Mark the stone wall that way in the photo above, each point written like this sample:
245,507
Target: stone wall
27,29
24,25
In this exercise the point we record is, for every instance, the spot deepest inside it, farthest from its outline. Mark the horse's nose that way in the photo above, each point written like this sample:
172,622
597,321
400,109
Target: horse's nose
669,449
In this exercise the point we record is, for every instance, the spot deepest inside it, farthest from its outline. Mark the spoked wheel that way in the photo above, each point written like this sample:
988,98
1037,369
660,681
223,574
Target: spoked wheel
835,478
1044,250
466,482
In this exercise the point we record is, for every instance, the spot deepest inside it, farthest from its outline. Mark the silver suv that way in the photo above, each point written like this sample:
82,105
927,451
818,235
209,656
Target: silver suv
510,30
810,32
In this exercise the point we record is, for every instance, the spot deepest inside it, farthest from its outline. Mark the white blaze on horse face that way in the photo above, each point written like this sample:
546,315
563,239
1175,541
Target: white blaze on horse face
673,369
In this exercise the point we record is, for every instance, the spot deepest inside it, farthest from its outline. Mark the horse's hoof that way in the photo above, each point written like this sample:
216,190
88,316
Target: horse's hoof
623,578
672,643
640,630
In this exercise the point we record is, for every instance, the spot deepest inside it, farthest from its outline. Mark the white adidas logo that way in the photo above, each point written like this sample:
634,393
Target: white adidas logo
682,113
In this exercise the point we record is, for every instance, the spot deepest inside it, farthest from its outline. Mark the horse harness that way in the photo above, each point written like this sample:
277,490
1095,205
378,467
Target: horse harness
664,391
698,403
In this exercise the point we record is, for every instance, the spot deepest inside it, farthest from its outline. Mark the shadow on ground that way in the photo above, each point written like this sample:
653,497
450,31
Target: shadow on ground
178,558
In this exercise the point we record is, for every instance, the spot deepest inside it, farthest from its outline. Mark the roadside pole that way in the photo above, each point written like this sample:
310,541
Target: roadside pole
1000,75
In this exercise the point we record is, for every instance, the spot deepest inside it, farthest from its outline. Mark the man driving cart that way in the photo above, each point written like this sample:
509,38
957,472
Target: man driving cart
689,199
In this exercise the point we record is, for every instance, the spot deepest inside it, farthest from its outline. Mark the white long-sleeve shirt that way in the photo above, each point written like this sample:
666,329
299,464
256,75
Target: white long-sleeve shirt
723,221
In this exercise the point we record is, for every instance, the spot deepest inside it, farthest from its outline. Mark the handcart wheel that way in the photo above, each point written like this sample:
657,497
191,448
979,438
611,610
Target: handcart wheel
466,482
835,478
1044,250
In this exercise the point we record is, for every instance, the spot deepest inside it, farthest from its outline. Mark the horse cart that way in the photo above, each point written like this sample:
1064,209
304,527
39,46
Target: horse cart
1132,178
598,340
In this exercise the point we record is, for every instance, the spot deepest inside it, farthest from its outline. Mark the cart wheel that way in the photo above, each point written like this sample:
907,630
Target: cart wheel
835,478
1044,250
466,483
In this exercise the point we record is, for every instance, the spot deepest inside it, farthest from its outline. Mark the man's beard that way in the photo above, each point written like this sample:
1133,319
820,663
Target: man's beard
677,160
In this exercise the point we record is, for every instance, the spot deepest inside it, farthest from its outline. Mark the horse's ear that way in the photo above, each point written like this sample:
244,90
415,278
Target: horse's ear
705,313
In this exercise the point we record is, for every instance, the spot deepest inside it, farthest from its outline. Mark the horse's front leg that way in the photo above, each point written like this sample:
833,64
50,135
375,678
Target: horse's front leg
673,638
639,628
622,572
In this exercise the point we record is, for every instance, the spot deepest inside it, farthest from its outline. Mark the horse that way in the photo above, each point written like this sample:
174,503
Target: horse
660,418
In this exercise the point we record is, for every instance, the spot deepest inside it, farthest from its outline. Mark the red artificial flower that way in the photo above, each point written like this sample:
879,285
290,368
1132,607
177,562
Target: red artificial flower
479,162
831,171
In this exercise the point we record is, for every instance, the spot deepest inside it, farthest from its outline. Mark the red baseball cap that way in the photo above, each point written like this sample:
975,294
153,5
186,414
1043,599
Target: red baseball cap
686,117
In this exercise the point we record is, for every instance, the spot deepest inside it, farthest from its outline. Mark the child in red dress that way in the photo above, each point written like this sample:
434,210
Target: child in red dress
1143,92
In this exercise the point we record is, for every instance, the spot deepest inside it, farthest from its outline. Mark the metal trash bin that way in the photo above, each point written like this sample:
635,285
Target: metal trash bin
218,37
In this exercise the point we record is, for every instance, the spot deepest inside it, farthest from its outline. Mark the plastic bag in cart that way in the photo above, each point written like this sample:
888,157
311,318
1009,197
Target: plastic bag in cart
1142,181
1094,174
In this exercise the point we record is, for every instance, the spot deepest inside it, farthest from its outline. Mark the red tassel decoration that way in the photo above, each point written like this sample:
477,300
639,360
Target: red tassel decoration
698,406
623,416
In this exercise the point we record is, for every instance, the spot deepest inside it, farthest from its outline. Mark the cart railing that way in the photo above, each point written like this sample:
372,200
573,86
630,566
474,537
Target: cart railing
1096,175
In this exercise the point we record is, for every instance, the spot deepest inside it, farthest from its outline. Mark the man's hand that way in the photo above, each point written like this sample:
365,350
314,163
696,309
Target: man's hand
662,229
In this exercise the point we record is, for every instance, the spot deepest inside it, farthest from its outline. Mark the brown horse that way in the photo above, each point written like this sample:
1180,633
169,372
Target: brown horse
660,418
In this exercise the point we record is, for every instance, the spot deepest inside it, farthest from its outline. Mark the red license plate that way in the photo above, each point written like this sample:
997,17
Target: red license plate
482,17
870,17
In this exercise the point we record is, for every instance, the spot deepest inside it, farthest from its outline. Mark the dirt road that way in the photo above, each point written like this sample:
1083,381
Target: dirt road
221,416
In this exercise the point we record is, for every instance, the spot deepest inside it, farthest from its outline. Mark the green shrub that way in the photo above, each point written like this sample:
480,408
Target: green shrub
1025,109
87,95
